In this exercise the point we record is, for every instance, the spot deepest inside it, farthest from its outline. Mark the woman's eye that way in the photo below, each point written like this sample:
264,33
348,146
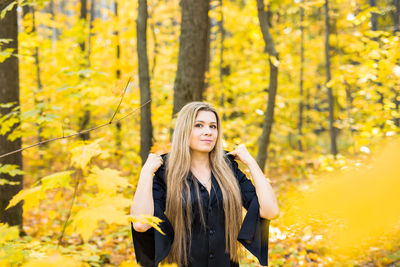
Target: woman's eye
201,125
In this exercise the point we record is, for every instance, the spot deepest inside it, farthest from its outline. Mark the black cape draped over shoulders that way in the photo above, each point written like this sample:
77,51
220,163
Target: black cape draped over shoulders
151,247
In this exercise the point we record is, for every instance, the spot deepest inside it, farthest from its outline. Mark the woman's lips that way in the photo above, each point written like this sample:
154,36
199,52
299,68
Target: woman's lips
207,141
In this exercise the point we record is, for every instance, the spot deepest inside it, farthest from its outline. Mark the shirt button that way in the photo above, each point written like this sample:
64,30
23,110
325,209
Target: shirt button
202,188
211,255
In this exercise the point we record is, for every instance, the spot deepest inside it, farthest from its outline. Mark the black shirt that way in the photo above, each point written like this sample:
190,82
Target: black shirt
208,245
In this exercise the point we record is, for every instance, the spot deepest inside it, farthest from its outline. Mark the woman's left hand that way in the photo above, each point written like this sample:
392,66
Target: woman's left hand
241,153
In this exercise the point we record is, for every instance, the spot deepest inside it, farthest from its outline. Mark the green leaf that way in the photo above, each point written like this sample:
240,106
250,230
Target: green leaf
7,8
11,169
6,53
5,181
64,88
5,41
8,124
14,135
7,105
47,118
29,114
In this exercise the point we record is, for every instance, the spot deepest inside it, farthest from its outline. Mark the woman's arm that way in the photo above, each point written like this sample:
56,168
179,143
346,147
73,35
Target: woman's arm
266,197
143,200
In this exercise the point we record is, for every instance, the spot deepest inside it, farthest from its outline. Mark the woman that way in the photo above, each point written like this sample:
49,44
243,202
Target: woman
198,192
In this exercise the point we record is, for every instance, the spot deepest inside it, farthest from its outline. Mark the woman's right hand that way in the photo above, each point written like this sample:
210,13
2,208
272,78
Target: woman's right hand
152,163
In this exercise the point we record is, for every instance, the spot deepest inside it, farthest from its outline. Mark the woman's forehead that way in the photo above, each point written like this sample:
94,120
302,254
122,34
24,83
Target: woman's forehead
206,116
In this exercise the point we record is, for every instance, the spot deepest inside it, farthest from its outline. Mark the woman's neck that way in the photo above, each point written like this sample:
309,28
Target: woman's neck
200,160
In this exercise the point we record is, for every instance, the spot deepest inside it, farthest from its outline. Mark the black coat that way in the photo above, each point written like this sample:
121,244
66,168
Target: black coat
208,245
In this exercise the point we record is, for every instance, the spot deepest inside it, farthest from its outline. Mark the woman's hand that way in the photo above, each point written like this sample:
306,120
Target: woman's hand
241,153
152,163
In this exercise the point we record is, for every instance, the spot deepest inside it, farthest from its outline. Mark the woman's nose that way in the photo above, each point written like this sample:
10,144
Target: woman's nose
207,130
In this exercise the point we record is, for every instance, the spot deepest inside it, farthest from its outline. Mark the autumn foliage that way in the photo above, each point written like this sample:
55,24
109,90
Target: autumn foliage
336,210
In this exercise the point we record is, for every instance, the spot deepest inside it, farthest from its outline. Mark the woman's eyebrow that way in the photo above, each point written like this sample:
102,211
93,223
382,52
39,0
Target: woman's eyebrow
204,122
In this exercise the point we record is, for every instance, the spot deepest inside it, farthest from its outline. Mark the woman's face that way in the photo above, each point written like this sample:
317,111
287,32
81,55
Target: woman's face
204,132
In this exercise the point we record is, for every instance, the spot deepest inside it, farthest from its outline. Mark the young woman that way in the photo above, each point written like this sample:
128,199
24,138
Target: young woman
198,192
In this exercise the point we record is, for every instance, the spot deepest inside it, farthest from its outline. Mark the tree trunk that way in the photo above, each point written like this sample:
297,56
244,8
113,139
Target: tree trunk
396,102
83,123
85,119
155,47
146,126
83,16
118,47
9,92
207,58
374,27
332,130
273,85
91,18
301,104
38,78
117,74
396,15
189,82
374,16
269,116
54,33
222,69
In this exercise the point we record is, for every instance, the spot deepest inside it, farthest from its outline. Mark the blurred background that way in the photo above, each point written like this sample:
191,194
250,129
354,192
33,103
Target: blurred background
312,88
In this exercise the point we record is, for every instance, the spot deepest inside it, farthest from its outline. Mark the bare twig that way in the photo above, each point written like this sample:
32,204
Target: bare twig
83,131
77,181
122,97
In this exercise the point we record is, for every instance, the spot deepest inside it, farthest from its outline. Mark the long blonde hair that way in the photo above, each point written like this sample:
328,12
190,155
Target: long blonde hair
178,204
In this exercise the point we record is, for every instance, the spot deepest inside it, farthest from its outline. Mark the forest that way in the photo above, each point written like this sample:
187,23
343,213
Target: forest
88,88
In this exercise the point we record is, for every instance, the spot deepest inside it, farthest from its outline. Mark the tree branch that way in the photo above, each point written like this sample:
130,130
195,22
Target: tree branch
83,131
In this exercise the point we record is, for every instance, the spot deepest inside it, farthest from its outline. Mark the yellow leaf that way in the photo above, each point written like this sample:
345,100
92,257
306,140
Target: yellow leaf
53,260
55,180
274,61
31,197
330,83
107,180
101,208
8,233
128,264
152,220
356,208
82,155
